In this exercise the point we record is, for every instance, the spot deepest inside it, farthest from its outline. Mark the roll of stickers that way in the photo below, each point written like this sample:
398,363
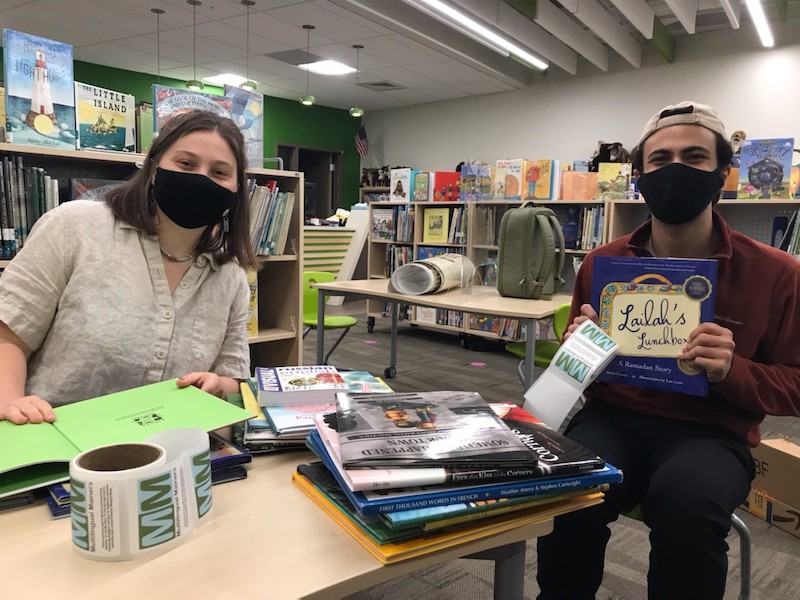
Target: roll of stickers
140,498
434,274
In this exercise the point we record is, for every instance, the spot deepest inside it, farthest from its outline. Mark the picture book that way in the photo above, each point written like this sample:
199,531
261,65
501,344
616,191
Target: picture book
374,502
516,174
224,454
500,170
35,455
382,224
364,382
473,179
40,93
425,315
247,111
613,180
91,188
556,455
422,186
541,179
444,186
765,168
436,225
571,218
400,184
2,112
424,252
649,306
578,185
168,102
392,550
281,386
424,429
144,126
581,165
106,119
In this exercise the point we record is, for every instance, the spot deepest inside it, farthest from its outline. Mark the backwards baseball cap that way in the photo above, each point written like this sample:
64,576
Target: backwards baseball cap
684,113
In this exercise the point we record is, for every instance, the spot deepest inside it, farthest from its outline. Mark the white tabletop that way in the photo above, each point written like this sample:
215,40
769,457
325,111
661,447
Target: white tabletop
264,539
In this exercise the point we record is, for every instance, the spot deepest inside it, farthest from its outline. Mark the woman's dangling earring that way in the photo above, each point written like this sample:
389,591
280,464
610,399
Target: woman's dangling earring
151,201
225,222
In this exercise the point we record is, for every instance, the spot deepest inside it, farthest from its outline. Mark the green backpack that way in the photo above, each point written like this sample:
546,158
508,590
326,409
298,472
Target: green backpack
531,253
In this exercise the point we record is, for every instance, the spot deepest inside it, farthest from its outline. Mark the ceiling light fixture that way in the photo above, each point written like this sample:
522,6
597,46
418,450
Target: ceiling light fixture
249,85
194,84
356,111
756,11
158,12
308,99
477,31
327,67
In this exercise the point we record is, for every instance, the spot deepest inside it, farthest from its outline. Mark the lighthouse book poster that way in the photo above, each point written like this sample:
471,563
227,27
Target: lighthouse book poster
649,306
40,93
106,119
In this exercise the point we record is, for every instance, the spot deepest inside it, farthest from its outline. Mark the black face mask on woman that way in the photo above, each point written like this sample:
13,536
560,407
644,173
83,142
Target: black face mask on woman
191,200
678,193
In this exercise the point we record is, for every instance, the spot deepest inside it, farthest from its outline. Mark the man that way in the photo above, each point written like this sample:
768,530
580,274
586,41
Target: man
686,459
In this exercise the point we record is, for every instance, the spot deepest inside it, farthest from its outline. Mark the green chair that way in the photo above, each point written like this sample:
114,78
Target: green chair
545,349
310,302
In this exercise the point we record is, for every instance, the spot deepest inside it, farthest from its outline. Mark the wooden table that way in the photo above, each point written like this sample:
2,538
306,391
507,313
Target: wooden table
264,539
474,299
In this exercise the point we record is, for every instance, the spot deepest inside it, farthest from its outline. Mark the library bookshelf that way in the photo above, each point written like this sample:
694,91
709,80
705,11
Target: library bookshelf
763,220
279,337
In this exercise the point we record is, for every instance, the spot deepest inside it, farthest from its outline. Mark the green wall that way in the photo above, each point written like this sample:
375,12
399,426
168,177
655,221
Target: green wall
285,121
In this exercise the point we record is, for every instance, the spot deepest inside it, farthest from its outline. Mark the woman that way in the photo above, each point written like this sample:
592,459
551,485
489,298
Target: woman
143,287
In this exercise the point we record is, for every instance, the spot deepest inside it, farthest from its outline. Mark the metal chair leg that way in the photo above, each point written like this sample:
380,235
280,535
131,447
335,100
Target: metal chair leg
336,343
744,555
306,330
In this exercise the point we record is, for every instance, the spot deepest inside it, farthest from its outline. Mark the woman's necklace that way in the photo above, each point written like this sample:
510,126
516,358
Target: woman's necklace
174,258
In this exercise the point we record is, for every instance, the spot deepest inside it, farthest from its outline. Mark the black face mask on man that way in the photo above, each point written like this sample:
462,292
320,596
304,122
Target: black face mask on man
678,193
191,200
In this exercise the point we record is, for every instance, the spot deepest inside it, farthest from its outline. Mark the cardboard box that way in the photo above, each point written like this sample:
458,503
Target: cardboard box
778,470
773,511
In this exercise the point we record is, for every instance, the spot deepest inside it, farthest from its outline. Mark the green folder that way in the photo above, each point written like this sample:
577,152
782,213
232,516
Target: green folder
35,455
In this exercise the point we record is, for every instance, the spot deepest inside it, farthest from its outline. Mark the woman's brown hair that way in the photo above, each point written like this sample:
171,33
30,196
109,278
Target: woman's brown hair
130,201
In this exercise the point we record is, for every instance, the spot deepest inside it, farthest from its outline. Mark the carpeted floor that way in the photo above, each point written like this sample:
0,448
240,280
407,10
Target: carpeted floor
430,360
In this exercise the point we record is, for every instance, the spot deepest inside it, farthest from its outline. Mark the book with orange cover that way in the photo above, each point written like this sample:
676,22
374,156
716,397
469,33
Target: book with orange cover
390,553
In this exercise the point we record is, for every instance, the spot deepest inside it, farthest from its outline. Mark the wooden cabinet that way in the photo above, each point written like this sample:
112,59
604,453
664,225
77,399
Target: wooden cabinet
279,337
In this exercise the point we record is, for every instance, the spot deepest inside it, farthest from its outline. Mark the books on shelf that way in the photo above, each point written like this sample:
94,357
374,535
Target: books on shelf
444,186
35,455
144,126
168,102
424,429
542,180
765,168
281,386
252,308
578,185
422,186
436,225
401,182
613,180
106,119
382,224
271,219
649,306
39,92
247,111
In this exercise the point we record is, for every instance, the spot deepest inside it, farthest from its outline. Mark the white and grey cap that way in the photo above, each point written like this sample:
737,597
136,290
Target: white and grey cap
684,113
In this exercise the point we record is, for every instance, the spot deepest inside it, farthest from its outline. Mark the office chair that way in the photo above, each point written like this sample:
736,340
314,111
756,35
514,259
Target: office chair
739,527
310,301
545,349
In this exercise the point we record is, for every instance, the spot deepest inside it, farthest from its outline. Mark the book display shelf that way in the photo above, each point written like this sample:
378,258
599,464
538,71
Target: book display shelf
279,337
597,222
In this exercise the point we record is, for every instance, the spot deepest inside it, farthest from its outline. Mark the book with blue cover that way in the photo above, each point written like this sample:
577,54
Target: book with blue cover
649,306
381,501
40,93
247,111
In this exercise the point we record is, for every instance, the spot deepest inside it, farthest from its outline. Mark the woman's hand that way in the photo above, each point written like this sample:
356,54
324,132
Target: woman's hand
208,382
28,409
587,314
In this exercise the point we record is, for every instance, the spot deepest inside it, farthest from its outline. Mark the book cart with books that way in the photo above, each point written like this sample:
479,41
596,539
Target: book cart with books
277,340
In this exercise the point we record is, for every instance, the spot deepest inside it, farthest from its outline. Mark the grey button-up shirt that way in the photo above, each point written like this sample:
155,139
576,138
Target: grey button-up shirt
89,295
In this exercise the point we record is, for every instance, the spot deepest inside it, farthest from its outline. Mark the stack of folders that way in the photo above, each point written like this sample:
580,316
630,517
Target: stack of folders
285,400
408,474
227,464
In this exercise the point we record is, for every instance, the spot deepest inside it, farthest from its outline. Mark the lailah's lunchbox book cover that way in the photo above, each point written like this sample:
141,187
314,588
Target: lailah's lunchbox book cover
40,94
649,306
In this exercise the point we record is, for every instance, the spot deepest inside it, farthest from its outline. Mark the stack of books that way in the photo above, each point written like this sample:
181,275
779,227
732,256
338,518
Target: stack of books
285,400
408,474
227,464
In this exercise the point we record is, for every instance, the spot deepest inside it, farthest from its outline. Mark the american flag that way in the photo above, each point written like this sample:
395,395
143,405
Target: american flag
362,142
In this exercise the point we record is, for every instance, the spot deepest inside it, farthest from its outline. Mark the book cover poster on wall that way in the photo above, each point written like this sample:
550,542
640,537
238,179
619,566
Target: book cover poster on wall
106,119
168,102
247,111
40,97
649,306
765,168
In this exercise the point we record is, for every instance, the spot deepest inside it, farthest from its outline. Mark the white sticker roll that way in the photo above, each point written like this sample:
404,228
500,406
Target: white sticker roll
131,499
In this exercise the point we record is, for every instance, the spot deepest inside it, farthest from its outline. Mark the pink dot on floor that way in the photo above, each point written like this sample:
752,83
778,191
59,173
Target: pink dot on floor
477,363
370,342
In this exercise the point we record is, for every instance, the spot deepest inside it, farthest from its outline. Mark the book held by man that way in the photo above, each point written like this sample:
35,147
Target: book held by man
649,306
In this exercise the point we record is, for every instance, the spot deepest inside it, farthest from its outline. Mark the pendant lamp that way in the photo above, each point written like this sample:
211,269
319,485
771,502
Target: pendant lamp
249,85
308,99
356,111
194,84
158,12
